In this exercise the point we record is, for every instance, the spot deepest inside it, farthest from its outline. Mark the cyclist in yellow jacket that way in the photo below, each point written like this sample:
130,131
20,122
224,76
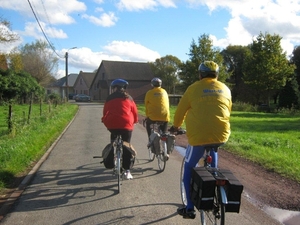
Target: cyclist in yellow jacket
205,107
157,106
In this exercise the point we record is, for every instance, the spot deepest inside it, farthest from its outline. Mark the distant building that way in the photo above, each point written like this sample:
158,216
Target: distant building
138,75
59,86
83,83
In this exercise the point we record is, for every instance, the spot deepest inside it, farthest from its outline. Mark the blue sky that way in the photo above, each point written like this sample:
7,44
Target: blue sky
144,30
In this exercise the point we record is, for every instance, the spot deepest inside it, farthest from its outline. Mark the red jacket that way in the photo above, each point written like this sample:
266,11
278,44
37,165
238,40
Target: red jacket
119,112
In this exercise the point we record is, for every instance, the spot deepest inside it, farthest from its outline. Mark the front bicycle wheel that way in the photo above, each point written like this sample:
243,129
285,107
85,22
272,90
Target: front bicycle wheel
119,173
216,216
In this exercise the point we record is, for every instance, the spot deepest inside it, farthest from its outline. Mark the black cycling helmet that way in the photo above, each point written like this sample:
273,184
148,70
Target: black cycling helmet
208,69
156,82
119,83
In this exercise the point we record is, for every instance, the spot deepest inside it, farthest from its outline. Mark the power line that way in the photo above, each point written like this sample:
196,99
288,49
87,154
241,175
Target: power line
51,30
43,30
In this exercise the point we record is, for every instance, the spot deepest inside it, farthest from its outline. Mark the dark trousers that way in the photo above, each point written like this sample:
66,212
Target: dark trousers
126,134
163,127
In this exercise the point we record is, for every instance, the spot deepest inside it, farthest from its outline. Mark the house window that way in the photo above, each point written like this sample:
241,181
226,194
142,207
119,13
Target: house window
81,81
103,76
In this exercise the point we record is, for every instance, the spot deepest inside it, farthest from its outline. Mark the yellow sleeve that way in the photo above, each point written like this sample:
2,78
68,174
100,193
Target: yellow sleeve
146,103
182,109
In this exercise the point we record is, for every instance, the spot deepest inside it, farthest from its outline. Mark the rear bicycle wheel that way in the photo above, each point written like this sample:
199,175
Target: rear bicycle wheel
119,173
216,216
182,189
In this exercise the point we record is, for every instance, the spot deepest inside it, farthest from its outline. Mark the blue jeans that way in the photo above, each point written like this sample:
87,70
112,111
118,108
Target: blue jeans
192,157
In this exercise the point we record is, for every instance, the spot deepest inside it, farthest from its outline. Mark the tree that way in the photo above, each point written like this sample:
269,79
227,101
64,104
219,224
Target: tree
199,52
289,95
39,61
234,57
295,59
6,35
15,60
166,68
266,68
17,85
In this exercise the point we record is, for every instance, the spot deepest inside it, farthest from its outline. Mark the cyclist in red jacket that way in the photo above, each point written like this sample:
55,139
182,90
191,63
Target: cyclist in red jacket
120,113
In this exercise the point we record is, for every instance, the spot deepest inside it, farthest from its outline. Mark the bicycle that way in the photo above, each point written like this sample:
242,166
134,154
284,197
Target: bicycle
158,146
215,215
221,200
117,145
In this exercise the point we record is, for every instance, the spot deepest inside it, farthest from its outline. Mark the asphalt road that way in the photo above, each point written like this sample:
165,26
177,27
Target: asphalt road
71,187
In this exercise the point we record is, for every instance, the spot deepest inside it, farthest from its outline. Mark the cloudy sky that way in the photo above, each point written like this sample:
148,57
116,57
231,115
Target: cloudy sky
144,30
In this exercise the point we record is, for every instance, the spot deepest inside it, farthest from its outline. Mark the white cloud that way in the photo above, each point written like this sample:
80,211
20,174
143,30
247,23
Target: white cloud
83,58
131,51
249,18
144,4
105,20
136,5
33,30
167,3
99,1
54,11
87,60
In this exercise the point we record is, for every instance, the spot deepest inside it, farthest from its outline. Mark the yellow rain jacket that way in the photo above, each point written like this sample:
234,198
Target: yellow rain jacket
205,107
157,104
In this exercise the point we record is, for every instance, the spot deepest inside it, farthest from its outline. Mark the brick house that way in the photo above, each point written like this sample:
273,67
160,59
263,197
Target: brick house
138,75
83,83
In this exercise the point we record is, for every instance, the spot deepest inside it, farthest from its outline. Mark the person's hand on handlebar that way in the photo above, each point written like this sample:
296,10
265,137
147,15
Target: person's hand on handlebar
173,130
177,130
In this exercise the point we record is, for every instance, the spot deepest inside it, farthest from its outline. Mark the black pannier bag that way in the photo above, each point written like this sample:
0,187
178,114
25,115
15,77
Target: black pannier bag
129,155
108,156
234,191
202,188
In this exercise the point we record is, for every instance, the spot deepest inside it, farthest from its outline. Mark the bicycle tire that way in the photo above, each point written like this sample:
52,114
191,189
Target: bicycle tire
119,174
182,189
151,154
161,158
161,162
216,216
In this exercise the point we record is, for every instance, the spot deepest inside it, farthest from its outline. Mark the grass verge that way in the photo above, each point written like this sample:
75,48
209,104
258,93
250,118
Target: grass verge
31,139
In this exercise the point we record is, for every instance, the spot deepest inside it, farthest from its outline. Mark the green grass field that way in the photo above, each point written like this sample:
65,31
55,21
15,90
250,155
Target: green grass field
269,139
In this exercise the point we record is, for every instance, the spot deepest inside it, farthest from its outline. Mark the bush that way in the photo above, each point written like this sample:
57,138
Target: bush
243,107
